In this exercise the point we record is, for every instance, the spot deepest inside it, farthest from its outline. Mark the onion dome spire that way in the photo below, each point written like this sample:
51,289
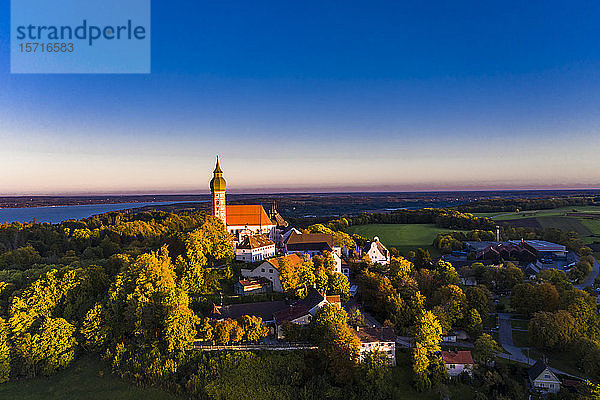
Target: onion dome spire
217,183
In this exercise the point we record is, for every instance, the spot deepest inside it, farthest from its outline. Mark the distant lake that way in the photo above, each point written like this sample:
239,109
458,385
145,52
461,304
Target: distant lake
57,214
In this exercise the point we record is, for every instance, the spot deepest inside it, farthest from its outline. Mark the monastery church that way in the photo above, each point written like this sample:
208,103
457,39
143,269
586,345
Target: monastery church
240,220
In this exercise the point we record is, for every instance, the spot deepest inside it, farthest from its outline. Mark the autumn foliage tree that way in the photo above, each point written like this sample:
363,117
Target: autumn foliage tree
340,345
149,312
427,364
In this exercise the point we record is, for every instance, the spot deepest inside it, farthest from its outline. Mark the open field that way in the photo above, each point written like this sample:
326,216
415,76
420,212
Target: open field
584,220
87,378
84,380
404,237
542,213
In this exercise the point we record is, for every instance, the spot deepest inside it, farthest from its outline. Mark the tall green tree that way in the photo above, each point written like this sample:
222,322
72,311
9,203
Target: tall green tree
486,349
4,352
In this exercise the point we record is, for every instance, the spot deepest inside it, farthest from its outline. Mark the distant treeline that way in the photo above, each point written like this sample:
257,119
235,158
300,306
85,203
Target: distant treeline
442,217
510,205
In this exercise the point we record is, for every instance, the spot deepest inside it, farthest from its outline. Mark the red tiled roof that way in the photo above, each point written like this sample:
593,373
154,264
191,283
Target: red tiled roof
293,258
289,314
242,214
380,247
457,357
334,299
370,335
255,242
310,238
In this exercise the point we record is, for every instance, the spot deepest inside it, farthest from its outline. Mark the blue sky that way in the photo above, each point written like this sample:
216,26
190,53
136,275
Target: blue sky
321,96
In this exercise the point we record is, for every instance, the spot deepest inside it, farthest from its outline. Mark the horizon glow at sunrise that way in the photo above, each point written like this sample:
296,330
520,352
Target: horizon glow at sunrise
310,97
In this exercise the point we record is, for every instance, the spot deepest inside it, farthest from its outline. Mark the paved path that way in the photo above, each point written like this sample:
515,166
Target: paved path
506,341
589,281
516,353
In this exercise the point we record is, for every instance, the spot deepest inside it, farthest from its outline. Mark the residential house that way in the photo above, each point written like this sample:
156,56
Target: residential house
377,252
269,269
248,286
458,362
334,299
263,310
542,378
377,339
255,248
314,244
302,311
345,268
450,337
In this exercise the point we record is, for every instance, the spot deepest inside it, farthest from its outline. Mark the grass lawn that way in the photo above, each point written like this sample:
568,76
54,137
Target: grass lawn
520,338
594,226
565,361
404,237
520,323
87,378
505,301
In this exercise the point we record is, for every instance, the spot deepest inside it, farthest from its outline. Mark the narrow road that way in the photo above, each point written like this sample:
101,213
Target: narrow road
589,281
506,341
516,353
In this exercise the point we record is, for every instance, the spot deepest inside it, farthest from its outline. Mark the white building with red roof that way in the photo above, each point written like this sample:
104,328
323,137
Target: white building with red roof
270,269
377,252
313,244
382,340
255,248
458,362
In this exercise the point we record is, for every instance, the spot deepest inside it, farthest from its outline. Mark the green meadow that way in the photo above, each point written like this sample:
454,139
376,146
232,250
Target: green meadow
86,379
404,237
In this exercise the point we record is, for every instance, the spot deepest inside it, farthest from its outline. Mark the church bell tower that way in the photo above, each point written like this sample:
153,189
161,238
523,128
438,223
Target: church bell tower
217,188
